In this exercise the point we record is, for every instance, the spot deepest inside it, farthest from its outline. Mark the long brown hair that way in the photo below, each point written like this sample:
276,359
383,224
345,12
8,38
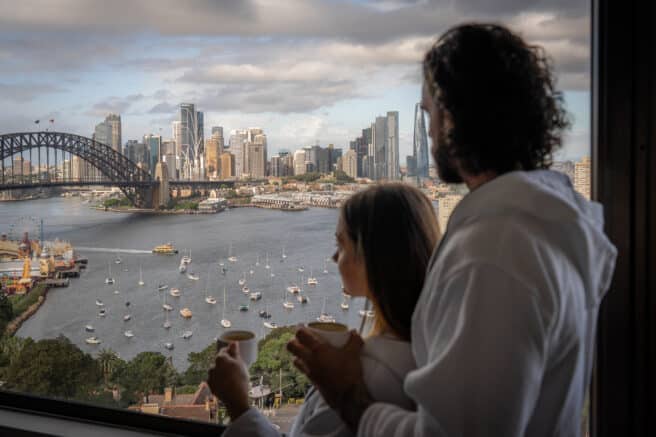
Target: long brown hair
394,227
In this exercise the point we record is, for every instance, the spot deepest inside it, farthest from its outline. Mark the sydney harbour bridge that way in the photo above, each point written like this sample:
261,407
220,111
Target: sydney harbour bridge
55,149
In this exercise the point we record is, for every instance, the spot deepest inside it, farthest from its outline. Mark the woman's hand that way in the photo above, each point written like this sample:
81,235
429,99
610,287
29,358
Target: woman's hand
228,380
336,372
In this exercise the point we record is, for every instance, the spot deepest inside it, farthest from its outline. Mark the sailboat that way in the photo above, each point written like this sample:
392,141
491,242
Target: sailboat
127,316
267,266
89,328
257,260
118,260
272,274
175,292
166,306
242,280
231,257
168,345
325,267
294,289
301,269
325,317
287,304
109,280
264,313
283,256
167,323
193,276
93,340
209,299
270,325
182,267
344,305
256,295
128,333
224,322
302,299
312,280
245,289
102,312
99,303
118,290
141,281
187,335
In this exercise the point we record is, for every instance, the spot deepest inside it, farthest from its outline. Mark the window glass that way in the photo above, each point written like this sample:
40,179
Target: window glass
256,119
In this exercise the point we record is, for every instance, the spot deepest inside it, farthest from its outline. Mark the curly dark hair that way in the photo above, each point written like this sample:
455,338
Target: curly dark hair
499,93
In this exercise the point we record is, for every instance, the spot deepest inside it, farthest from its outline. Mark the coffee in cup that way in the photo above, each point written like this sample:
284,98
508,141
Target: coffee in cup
336,334
247,344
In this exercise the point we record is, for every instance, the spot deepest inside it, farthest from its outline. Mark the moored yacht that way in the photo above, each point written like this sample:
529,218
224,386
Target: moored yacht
128,333
93,340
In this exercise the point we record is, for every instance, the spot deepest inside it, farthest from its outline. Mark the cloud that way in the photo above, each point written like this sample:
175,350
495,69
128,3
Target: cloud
22,92
114,105
163,108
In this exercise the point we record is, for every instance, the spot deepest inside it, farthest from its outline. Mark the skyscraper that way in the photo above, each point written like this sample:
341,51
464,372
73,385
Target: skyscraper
420,144
154,145
238,139
392,157
109,132
380,141
192,144
299,162
256,162
350,163
227,165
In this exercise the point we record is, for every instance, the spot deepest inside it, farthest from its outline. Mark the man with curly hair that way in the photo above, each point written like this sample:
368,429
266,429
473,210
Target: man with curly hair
503,333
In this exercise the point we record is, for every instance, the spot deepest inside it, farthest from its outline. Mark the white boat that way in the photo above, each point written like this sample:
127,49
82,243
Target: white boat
257,260
325,267
224,322
256,295
193,276
267,266
344,305
209,299
162,287
251,271
186,313
118,288
242,280
102,312
141,281
294,289
175,292
285,303
312,280
99,303
270,325
272,274
362,313
182,267
302,299
187,334
370,313
89,328
264,313
128,334
169,346
301,269
283,256
166,306
127,317
109,280
118,260
245,289
231,257
167,323
92,340
186,259
325,317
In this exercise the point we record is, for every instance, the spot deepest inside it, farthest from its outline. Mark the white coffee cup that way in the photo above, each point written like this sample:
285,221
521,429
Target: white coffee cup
247,344
336,334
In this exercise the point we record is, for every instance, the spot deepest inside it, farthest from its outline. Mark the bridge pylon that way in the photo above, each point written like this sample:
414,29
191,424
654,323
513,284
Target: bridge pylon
160,192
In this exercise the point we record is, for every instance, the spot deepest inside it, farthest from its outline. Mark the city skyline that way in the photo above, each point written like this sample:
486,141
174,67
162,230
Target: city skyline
303,77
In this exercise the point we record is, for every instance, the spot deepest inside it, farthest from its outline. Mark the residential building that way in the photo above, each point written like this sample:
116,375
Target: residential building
392,156
256,160
350,163
299,162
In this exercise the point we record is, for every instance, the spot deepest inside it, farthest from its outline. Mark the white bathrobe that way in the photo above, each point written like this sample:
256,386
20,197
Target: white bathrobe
385,363
503,333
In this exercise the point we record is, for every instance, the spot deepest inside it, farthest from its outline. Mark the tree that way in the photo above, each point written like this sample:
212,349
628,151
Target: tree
199,365
53,367
273,358
6,312
148,372
342,177
109,362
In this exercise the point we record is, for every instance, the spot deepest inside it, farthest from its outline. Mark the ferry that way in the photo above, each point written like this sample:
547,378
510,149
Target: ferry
165,249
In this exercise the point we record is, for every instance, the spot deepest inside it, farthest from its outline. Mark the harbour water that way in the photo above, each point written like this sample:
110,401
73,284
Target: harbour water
307,236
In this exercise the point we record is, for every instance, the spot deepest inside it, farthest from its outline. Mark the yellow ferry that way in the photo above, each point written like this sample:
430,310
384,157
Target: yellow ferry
165,249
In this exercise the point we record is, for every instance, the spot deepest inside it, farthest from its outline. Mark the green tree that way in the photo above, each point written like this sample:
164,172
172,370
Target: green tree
6,312
273,358
199,365
53,367
109,362
147,373
342,177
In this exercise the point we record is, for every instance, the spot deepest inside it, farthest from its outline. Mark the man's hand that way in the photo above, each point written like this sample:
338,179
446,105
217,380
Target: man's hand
336,372
228,380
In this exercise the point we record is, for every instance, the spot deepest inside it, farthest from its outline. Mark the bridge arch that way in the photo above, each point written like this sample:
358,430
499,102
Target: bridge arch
119,170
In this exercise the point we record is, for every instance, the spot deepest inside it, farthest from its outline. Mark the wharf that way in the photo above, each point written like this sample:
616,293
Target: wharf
57,283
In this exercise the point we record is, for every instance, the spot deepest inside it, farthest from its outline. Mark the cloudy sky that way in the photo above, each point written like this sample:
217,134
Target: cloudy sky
306,71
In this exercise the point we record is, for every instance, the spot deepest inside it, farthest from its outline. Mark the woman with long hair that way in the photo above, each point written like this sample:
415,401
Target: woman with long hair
385,236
